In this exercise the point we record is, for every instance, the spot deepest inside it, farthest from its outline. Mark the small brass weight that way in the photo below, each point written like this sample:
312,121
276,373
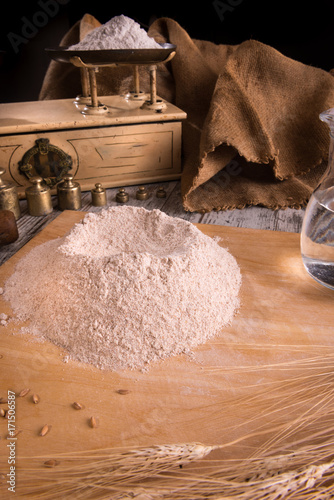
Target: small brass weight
161,193
99,196
38,197
122,196
69,194
142,193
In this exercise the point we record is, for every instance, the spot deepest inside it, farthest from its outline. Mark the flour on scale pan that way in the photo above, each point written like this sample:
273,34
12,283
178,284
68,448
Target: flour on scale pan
120,32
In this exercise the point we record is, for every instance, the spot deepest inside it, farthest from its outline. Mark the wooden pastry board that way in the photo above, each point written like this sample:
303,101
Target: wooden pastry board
284,316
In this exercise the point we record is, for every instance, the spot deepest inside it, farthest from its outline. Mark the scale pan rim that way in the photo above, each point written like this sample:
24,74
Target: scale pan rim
113,56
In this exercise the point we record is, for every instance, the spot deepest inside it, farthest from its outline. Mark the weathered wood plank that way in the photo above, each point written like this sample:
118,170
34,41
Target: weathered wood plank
289,220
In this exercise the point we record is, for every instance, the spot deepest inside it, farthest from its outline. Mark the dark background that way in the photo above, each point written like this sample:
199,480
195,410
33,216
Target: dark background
301,30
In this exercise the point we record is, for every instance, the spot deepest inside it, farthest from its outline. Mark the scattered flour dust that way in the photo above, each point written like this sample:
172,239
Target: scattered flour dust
120,32
126,287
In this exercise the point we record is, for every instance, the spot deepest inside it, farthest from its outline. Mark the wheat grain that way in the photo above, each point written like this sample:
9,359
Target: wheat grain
45,430
23,393
93,422
14,434
77,406
51,463
35,398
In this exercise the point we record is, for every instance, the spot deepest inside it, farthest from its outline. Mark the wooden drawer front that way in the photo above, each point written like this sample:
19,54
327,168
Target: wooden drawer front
114,156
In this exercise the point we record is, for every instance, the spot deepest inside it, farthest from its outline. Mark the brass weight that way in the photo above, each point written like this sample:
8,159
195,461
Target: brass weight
161,193
142,193
38,197
69,194
99,197
122,196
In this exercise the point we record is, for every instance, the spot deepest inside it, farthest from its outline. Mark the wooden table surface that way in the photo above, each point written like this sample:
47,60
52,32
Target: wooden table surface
289,220
229,394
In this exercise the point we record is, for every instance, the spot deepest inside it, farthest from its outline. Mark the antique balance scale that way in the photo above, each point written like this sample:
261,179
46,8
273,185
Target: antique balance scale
124,140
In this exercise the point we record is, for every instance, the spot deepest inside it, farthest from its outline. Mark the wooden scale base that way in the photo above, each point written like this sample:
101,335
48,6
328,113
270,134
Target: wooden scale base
126,145
123,140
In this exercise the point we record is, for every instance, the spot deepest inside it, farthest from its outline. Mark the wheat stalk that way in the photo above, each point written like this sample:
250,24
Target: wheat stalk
152,473
294,459
106,469
299,484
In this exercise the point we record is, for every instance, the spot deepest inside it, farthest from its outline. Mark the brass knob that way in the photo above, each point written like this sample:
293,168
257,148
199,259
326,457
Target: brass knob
142,193
122,196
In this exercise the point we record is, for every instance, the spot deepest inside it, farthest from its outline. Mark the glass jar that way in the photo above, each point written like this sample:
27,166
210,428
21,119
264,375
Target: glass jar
317,234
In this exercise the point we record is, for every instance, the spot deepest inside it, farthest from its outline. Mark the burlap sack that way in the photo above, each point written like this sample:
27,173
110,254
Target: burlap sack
253,134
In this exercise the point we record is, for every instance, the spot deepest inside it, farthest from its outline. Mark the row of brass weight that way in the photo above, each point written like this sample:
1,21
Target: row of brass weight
39,200
69,196
142,194
68,192
39,196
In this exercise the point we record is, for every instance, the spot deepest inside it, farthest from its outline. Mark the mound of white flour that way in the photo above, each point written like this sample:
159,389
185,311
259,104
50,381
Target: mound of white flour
120,32
126,287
